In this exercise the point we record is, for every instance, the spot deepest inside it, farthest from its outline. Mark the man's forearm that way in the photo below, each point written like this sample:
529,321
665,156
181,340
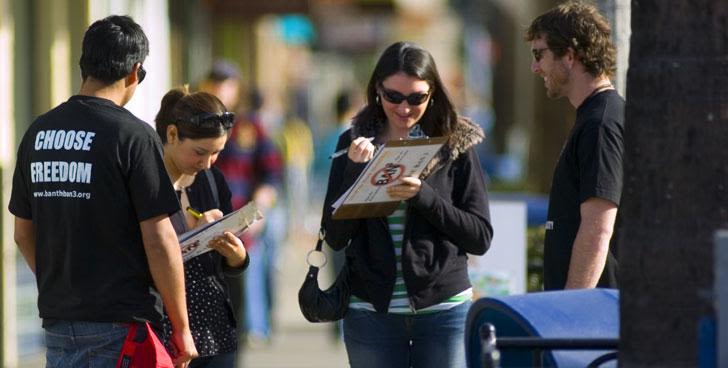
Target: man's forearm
591,245
165,265
588,258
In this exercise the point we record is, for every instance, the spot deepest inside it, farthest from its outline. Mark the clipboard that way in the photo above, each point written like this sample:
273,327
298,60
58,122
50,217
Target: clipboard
368,197
194,242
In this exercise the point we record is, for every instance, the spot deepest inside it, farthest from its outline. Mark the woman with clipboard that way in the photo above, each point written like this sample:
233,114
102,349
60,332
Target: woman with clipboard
194,128
409,275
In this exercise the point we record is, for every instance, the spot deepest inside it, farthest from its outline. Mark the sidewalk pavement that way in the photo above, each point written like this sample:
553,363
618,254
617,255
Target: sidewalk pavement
296,343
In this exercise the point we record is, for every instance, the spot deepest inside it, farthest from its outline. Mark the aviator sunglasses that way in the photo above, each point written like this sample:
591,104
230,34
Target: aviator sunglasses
211,120
413,99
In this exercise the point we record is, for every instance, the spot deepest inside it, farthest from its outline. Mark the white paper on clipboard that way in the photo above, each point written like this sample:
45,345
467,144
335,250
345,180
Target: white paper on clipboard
194,242
368,197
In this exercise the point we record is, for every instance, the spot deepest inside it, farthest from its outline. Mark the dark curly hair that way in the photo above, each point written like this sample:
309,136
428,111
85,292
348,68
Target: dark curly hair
579,26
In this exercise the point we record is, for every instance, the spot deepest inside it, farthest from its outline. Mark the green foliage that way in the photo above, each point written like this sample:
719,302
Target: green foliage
506,186
521,186
534,255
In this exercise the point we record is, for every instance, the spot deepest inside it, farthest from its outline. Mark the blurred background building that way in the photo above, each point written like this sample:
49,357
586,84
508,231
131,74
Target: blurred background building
298,55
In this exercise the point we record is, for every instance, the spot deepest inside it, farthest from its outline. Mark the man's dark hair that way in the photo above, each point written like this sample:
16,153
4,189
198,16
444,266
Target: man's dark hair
578,26
111,47
223,70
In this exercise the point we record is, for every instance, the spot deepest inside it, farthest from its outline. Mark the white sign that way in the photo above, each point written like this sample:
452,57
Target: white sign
502,270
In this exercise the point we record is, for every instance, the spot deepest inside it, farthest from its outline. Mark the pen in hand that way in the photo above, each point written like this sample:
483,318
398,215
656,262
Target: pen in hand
196,214
345,150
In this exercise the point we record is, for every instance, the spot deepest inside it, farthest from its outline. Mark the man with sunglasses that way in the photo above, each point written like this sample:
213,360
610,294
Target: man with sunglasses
91,200
574,55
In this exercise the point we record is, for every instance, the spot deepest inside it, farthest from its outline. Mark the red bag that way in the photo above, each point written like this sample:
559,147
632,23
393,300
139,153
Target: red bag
142,349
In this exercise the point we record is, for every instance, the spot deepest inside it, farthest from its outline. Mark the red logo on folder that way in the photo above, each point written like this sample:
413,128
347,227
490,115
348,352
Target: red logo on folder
389,173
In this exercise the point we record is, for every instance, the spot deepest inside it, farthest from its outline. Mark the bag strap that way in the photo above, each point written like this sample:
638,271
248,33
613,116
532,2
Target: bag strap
320,242
213,187
134,337
319,245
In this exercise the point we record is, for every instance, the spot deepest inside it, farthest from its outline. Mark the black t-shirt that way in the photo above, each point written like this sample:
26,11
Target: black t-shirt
87,173
590,166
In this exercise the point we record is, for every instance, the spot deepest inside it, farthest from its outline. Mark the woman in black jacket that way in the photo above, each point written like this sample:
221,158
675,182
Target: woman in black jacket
194,128
409,274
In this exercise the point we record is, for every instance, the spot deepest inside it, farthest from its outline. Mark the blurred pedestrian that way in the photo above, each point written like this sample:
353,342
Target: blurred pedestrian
223,81
409,279
345,108
194,128
253,168
92,201
573,53
296,146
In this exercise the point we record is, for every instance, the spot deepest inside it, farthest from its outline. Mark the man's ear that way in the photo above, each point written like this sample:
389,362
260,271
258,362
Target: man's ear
133,76
172,134
569,57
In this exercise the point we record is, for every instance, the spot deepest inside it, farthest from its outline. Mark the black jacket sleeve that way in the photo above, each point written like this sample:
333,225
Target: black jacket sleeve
465,219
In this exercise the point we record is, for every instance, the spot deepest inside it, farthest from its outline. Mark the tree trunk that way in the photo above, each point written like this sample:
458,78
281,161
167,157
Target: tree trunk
618,14
676,177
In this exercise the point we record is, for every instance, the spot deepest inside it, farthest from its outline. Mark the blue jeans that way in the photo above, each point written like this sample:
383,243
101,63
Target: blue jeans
224,360
383,340
257,309
75,344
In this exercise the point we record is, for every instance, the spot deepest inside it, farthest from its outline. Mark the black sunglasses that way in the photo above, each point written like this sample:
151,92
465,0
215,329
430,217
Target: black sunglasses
141,74
414,99
211,120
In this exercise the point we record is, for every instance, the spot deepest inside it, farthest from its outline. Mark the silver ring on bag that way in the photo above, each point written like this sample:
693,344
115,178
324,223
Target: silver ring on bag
308,255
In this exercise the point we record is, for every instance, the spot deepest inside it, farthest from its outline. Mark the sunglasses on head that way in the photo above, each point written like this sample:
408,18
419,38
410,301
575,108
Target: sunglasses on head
211,120
141,74
413,99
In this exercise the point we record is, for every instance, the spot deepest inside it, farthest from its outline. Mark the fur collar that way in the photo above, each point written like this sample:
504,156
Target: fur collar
465,135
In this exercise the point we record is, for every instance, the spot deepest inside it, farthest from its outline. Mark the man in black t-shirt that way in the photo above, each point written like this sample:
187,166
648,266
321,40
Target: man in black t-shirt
91,200
573,53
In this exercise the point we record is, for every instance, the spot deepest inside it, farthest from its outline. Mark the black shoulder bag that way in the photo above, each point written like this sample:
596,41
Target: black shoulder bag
324,305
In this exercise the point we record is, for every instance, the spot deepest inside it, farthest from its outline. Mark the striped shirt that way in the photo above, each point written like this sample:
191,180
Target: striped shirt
400,303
